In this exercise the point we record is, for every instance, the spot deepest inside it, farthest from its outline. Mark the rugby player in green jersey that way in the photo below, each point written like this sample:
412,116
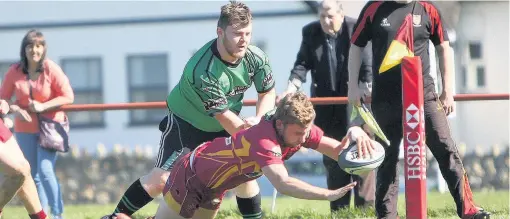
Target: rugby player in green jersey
205,105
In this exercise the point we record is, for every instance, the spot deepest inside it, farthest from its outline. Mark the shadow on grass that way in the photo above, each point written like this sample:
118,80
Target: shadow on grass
305,214
358,213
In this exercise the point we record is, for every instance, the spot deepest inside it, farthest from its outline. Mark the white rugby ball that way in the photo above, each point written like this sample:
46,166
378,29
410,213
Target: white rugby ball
349,161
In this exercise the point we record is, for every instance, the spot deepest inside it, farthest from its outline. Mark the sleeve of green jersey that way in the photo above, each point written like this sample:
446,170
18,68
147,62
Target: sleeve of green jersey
263,76
212,95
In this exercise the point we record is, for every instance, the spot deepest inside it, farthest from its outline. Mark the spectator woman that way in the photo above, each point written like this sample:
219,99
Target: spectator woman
39,86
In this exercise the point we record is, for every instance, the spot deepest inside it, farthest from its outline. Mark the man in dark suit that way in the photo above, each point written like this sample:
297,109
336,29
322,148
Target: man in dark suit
324,51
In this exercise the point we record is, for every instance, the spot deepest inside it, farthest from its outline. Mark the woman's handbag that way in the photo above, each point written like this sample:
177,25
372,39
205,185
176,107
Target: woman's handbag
53,135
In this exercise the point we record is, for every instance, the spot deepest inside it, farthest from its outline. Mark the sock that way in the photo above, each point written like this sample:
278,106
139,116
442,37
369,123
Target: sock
134,198
250,207
38,215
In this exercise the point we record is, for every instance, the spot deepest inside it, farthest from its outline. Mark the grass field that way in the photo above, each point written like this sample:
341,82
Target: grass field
440,206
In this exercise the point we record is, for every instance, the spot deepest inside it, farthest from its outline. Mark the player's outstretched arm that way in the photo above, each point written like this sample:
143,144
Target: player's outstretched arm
230,121
279,177
265,102
331,147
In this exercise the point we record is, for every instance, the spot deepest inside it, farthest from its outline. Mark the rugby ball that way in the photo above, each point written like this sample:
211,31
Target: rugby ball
349,161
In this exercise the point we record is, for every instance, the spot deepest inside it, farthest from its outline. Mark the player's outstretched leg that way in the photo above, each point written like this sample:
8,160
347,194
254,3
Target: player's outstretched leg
16,178
249,200
141,192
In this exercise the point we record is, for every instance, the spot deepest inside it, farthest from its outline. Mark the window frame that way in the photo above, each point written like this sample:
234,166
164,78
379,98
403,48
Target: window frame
134,88
471,66
478,43
100,90
484,77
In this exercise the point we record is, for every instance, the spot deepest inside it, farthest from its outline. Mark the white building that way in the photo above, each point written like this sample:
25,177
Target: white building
482,66
117,52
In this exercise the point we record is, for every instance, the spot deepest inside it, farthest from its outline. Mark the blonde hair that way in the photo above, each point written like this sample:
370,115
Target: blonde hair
295,108
234,13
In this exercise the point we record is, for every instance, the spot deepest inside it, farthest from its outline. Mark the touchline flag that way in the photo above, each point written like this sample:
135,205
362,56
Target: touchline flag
402,46
369,120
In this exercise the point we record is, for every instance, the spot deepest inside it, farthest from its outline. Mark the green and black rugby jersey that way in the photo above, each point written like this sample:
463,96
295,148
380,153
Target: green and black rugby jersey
209,85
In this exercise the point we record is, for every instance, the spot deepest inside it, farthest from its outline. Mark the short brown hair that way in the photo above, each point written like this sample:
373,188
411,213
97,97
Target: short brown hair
295,108
234,13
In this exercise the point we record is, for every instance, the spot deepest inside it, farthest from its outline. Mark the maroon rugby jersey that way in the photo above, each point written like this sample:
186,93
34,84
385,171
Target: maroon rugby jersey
225,163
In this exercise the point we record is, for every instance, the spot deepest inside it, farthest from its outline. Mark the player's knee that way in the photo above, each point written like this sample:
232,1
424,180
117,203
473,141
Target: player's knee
154,182
20,168
163,177
25,168
248,189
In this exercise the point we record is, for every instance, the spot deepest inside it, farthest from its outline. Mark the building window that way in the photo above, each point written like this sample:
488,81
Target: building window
463,77
475,50
85,76
480,76
148,82
4,66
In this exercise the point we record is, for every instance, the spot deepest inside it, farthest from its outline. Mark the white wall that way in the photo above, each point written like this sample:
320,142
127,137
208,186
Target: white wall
113,43
44,11
484,123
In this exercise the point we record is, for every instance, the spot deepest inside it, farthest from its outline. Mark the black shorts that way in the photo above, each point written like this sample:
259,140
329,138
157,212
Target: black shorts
179,137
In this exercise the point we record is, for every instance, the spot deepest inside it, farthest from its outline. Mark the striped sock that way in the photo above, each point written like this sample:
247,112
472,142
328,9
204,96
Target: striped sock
134,198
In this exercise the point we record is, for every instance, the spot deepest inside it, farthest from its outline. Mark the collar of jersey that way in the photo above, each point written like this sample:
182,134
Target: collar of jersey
214,49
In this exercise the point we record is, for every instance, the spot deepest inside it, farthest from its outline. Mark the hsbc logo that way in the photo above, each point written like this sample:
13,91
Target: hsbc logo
412,116
415,147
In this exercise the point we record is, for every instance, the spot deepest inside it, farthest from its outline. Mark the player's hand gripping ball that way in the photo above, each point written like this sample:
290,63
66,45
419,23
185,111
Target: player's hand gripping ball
350,162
